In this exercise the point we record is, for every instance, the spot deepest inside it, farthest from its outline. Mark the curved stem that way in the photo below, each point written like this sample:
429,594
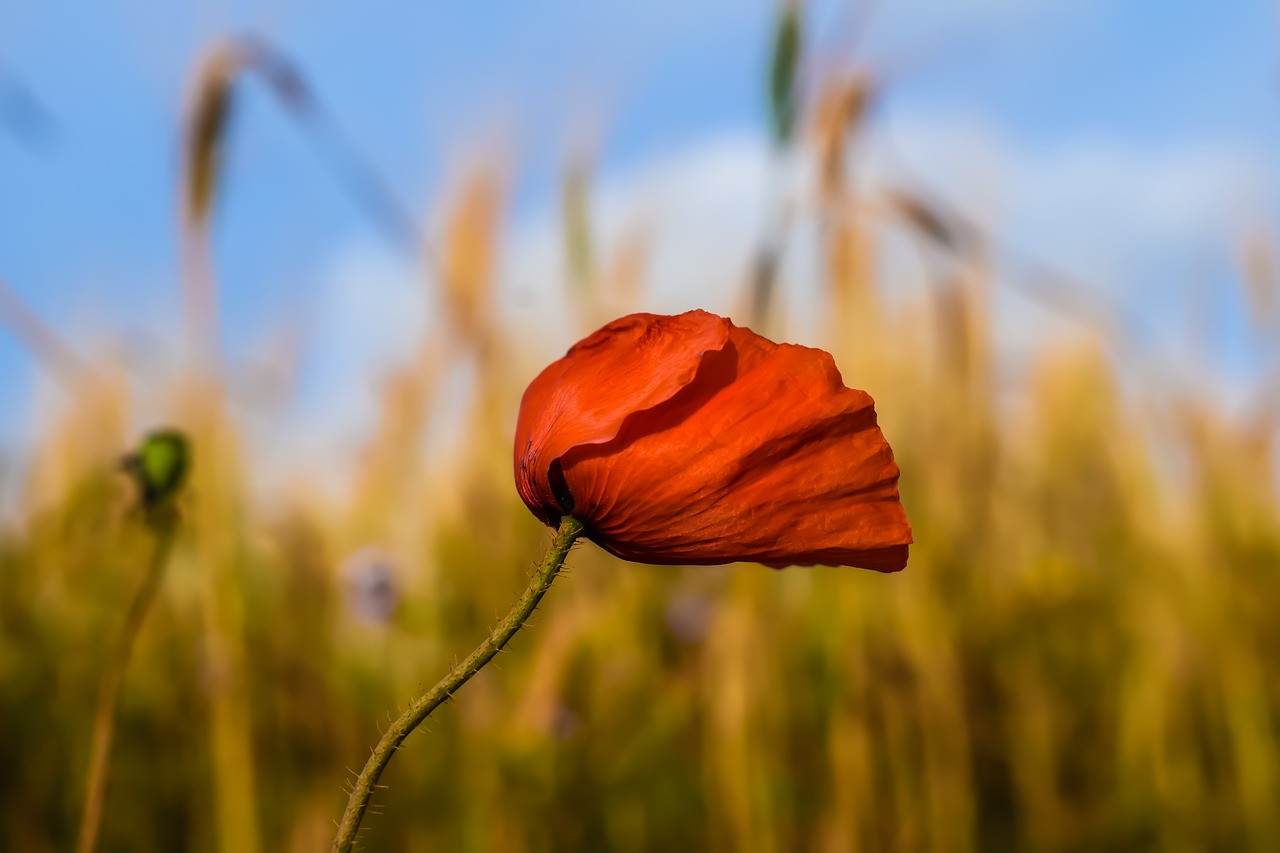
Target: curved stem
104,717
570,529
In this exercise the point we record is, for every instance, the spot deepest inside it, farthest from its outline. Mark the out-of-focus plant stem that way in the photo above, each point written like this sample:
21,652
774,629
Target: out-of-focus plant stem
163,523
569,531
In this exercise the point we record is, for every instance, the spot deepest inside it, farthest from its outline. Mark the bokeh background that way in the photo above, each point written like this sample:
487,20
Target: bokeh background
333,243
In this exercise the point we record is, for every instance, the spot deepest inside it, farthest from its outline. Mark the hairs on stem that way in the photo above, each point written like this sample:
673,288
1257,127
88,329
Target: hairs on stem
570,529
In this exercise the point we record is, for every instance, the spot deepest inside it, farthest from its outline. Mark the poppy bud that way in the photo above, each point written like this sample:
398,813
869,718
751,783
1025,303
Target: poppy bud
159,466
688,440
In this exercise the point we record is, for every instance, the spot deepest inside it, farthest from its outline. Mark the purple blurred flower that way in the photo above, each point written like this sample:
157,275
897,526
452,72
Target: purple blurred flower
370,587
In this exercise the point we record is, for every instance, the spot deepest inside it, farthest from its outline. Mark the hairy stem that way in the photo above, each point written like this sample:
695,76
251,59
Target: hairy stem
163,528
570,529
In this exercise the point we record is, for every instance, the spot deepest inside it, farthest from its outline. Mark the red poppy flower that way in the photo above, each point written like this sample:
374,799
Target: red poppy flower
689,440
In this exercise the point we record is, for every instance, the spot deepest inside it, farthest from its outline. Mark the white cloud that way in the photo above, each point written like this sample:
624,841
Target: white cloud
1105,196
1122,216
1115,213
700,212
373,314
1144,225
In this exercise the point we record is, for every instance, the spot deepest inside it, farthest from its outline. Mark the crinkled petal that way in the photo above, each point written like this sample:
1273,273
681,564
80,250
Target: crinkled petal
620,372
765,456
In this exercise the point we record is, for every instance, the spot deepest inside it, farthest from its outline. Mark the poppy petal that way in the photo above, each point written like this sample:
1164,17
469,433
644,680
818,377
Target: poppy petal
765,456
623,370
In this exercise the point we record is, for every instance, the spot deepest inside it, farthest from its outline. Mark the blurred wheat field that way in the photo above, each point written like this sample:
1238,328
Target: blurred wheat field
1080,655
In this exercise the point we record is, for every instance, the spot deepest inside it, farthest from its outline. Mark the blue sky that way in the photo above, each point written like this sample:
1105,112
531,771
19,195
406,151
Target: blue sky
1129,141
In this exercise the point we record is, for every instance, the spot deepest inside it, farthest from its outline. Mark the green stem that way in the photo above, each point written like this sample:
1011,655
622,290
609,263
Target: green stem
163,527
570,530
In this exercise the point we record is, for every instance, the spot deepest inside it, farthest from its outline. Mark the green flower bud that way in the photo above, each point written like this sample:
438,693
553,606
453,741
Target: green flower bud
159,466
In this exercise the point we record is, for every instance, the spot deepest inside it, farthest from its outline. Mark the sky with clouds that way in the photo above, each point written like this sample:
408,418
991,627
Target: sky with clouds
1127,144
